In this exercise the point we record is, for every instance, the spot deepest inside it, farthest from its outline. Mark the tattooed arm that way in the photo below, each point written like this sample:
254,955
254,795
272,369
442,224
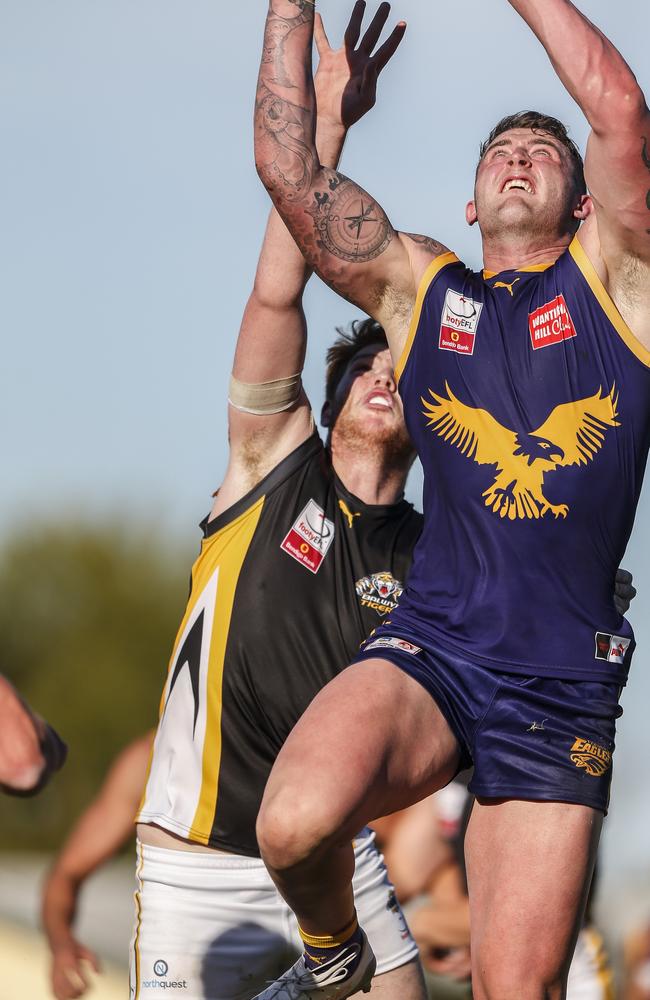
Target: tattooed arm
617,165
342,231
273,334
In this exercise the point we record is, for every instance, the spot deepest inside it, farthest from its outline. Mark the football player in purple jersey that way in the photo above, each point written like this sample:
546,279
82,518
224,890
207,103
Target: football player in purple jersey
526,391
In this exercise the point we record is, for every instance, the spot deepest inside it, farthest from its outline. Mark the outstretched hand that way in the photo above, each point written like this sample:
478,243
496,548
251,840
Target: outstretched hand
346,79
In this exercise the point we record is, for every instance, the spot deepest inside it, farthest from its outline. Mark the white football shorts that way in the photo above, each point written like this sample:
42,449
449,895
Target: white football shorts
590,975
214,927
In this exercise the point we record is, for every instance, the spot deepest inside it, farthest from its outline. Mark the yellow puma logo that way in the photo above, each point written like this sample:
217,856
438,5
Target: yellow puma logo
504,284
348,513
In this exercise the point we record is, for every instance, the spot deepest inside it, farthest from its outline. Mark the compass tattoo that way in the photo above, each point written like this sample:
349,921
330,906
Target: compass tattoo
349,223
336,218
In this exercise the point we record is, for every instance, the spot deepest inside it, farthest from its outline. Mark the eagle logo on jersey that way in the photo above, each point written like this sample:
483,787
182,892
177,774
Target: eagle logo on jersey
572,434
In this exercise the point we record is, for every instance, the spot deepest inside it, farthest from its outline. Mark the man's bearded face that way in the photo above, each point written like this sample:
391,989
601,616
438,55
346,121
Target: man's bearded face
366,409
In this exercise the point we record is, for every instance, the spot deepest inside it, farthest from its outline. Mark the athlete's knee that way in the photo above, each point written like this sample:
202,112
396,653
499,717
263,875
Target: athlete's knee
502,979
292,828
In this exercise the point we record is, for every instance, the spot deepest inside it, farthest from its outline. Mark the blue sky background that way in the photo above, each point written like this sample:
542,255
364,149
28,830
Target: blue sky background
130,222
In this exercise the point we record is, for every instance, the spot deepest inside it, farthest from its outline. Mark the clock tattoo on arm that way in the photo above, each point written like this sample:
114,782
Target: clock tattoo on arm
349,223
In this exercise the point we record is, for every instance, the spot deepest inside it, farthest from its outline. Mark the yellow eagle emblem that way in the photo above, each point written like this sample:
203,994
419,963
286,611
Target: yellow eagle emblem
572,435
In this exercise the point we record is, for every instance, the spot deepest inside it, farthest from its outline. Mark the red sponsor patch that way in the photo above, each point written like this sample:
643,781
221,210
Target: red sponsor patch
460,317
551,324
310,537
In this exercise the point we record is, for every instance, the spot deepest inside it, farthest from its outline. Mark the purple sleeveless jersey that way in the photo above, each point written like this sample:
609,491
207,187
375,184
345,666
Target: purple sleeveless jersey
528,399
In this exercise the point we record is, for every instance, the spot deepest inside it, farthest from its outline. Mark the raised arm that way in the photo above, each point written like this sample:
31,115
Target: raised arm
273,335
342,231
617,164
98,834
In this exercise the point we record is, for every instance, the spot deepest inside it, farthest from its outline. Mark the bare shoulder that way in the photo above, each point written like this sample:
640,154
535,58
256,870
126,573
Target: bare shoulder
399,295
422,251
625,275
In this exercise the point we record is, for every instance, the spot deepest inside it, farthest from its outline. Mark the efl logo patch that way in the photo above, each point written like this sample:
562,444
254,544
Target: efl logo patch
593,758
611,647
551,324
460,316
392,642
310,537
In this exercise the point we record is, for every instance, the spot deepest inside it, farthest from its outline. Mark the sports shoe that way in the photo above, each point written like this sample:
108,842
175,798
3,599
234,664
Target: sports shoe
329,982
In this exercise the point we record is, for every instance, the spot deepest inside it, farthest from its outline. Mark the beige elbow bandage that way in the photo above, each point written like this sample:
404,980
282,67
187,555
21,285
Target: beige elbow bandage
263,398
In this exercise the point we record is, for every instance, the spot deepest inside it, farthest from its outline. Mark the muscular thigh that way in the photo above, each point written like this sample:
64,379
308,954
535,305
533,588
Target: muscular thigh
529,866
372,741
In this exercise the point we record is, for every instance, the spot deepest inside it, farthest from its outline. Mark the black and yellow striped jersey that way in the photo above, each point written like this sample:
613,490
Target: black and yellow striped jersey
288,583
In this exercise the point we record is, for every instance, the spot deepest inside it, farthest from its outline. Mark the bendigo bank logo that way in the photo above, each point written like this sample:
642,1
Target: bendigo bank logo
460,316
379,592
310,537
572,435
593,758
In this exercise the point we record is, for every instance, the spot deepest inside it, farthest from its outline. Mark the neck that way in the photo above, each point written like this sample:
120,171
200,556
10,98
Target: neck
374,476
512,253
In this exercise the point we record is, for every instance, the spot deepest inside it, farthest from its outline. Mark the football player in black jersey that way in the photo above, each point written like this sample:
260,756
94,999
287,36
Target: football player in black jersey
304,552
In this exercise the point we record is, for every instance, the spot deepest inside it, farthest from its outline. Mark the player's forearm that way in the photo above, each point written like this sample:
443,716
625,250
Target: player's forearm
59,908
285,104
589,66
282,272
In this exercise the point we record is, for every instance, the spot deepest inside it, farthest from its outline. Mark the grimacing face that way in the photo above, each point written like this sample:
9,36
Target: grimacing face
525,185
366,406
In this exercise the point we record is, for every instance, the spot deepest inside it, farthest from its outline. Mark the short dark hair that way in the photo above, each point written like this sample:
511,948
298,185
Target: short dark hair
539,122
361,333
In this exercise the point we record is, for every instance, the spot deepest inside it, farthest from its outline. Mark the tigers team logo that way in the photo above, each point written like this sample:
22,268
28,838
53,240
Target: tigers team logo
595,760
379,592
572,435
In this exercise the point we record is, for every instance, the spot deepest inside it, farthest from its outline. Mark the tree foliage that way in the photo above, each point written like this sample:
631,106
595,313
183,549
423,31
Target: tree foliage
88,614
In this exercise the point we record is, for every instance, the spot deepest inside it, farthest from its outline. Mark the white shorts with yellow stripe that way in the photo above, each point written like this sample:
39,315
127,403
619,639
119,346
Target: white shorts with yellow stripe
214,927
590,975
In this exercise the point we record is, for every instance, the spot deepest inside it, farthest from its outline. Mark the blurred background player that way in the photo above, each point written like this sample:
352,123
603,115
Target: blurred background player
303,554
637,965
104,827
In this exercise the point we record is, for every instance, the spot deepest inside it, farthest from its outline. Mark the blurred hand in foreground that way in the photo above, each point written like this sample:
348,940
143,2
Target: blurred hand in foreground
30,749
